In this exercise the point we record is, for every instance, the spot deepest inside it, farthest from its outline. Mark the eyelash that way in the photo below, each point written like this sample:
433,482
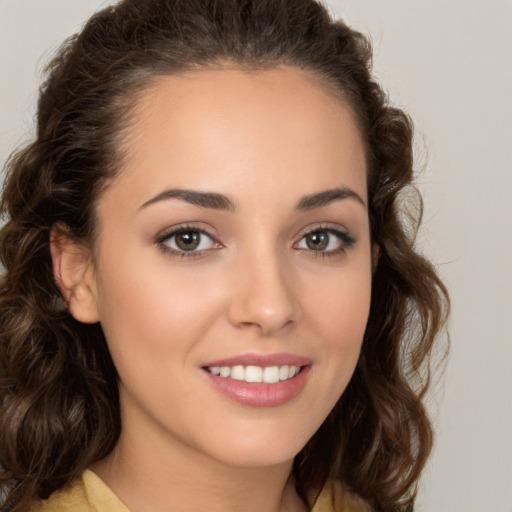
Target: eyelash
167,235
346,239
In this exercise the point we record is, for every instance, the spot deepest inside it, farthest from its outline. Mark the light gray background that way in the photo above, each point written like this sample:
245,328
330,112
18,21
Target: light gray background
449,64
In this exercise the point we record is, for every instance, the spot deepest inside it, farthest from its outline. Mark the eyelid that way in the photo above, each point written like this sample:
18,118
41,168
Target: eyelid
347,238
168,233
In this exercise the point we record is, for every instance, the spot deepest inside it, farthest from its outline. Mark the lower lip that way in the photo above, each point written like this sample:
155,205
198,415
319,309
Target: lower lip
260,394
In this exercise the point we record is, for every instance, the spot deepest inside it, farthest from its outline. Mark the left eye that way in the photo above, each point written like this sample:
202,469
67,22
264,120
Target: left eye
324,240
188,240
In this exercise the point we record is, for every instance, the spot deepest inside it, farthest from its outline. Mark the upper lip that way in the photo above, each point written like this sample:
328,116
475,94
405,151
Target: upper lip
263,360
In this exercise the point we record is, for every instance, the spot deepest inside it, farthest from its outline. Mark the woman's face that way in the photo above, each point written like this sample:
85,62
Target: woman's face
235,240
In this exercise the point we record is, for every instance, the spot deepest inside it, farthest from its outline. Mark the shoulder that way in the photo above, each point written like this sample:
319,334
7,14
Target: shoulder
86,494
335,498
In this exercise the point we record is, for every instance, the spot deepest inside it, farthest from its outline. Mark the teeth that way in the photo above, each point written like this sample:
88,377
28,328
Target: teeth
253,374
268,375
237,373
271,374
284,372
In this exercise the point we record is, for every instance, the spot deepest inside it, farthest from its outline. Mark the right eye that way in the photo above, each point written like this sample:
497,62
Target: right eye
187,240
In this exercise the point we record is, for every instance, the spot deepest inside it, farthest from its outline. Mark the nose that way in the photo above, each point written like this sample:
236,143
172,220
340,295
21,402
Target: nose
263,295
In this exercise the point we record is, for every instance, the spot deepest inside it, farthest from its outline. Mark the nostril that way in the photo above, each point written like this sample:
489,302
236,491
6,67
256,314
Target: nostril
263,295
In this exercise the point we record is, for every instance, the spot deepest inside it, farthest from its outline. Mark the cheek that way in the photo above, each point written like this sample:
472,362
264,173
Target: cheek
338,312
148,309
340,300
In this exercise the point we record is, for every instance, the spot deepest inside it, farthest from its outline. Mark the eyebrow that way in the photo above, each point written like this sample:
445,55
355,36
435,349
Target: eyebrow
203,199
217,201
325,197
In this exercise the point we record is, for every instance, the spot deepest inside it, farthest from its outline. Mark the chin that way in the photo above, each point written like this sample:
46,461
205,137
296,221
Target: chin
261,457
259,448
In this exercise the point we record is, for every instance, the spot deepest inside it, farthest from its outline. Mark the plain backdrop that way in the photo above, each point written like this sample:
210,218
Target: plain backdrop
449,64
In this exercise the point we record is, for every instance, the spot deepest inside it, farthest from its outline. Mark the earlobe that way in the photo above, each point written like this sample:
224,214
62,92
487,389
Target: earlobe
74,274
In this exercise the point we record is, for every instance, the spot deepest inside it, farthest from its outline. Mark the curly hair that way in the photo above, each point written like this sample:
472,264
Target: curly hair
59,403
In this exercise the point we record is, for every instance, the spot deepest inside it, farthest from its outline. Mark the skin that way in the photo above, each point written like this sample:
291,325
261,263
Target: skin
265,140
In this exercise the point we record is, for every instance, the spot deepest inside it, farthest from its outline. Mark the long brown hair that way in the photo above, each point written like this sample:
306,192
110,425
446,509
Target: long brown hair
59,405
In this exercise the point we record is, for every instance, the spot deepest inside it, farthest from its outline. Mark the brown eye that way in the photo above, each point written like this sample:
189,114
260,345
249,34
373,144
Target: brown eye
188,240
317,241
329,241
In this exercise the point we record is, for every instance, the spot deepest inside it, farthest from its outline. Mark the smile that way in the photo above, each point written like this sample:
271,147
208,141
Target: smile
255,374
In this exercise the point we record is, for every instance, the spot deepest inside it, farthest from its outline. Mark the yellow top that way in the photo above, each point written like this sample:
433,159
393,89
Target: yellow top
91,494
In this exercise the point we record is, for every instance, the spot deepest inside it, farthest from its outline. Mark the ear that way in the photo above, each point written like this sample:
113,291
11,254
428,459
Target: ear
74,274
375,256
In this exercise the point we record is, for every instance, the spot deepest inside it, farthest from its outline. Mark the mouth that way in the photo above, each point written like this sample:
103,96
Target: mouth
256,374
259,380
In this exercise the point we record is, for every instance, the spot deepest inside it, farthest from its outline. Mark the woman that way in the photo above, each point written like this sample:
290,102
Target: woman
211,294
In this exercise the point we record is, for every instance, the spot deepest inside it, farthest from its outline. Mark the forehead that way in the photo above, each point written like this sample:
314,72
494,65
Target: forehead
231,128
